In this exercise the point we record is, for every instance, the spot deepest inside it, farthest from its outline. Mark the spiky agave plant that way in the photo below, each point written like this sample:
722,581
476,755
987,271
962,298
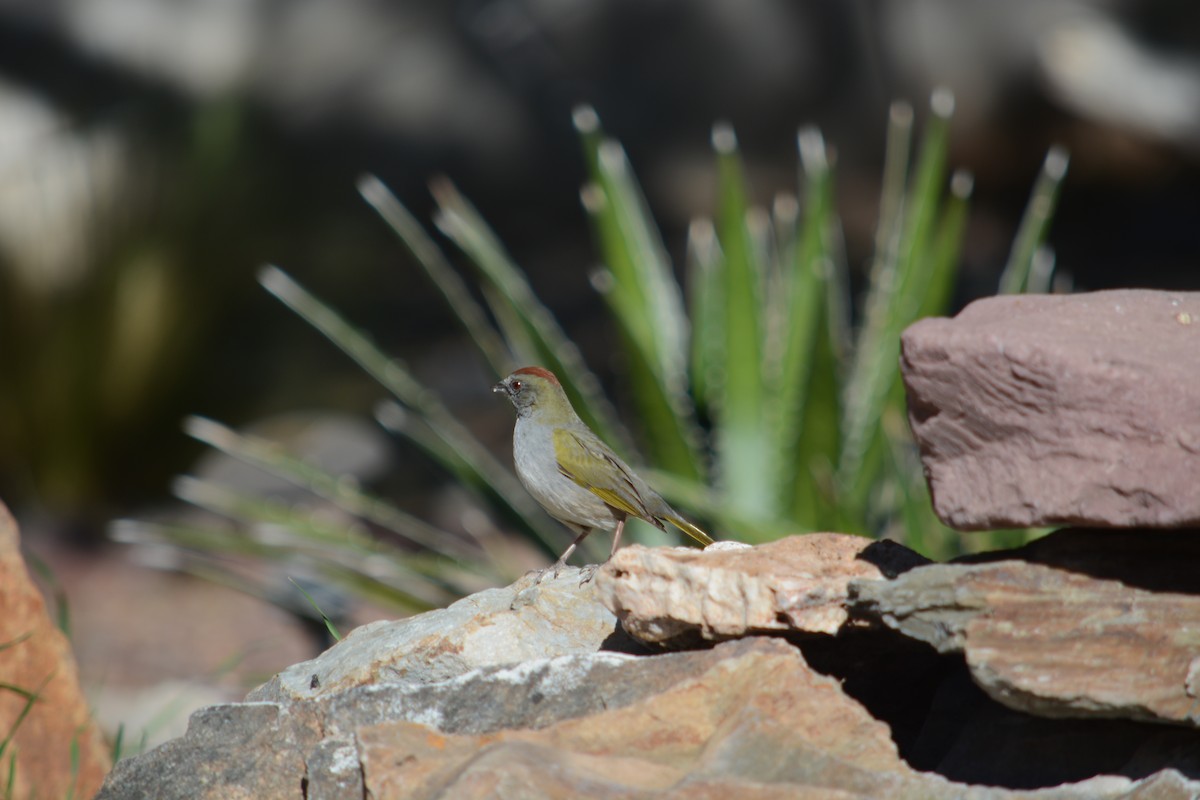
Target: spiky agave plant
763,410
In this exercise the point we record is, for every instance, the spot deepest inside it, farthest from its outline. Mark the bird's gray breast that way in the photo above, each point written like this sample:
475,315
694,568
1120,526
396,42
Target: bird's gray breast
537,467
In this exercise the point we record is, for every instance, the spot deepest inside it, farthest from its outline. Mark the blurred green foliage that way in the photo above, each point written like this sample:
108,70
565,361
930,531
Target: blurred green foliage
761,409
132,234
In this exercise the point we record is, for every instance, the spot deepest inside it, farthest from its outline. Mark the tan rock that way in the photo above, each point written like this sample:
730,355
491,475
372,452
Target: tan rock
1051,410
1052,642
723,717
793,584
36,660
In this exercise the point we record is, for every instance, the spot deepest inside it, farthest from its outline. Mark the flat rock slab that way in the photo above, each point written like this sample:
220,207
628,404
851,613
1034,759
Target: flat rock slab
516,623
1052,642
1042,410
798,584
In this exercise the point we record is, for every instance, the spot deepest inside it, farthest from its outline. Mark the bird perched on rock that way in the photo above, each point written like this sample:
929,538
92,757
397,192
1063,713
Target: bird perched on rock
571,473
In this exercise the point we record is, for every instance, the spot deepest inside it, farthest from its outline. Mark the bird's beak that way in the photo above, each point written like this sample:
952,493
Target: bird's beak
500,387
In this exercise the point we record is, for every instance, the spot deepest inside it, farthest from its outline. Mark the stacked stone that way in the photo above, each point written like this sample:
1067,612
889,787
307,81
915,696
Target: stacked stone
1079,411
822,665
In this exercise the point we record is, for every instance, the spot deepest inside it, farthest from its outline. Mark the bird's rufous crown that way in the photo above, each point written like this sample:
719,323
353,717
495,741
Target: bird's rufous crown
539,372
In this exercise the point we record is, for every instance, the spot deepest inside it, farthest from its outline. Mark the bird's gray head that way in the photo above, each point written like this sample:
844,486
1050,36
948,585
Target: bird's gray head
533,387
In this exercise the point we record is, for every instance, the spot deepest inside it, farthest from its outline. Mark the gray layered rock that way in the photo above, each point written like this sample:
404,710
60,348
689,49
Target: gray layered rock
1052,642
517,623
1050,410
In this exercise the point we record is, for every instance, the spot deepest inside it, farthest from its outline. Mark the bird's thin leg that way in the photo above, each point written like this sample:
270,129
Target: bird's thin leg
617,536
589,571
557,566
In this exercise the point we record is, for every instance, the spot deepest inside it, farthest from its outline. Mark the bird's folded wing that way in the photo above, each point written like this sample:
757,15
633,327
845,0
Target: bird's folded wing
592,467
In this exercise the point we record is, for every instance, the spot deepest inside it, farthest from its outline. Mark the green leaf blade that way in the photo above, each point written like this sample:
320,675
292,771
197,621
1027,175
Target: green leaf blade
744,449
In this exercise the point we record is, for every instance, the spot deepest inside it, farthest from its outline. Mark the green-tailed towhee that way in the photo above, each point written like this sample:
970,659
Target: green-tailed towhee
571,473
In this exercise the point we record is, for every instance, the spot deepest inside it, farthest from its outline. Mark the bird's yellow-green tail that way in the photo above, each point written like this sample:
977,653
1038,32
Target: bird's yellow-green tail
691,530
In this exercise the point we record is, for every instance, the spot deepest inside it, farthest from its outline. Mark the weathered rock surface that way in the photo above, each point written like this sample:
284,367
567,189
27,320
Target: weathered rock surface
315,739
797,584
517,623
744,719
1052,642
758,723
1047,410
36,662
1088,640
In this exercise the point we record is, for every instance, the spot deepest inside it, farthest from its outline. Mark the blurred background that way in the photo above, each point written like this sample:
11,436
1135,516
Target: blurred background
154,153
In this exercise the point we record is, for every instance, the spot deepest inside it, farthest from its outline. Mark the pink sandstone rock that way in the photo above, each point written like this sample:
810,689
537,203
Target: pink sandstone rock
1049,410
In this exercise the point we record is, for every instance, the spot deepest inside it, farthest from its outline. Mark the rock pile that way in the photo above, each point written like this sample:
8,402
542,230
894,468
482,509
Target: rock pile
824,665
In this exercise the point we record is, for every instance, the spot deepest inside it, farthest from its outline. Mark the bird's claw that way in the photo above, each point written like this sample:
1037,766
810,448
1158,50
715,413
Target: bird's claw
586,573
554,568
537,574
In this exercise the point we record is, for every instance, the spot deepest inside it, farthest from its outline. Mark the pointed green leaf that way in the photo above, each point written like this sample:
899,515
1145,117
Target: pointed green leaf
1035,222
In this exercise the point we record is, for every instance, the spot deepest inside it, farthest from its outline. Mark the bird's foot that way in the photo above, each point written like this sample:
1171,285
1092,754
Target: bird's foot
537,574
554,569
587,573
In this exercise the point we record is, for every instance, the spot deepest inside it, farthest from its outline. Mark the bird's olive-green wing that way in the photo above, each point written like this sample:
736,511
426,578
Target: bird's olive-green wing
592,466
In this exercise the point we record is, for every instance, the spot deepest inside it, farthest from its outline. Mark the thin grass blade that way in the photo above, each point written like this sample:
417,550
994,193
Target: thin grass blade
637,257
1035,222
1041,271
462,224
704,261
647,304
395,418
329,626
422,248
302,525
476,465
203,551
273,459
945,251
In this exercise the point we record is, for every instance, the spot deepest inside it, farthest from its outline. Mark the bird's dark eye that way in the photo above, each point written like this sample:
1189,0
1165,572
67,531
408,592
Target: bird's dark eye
516,386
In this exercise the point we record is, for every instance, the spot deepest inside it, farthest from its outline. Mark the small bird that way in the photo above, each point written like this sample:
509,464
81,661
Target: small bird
571,473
